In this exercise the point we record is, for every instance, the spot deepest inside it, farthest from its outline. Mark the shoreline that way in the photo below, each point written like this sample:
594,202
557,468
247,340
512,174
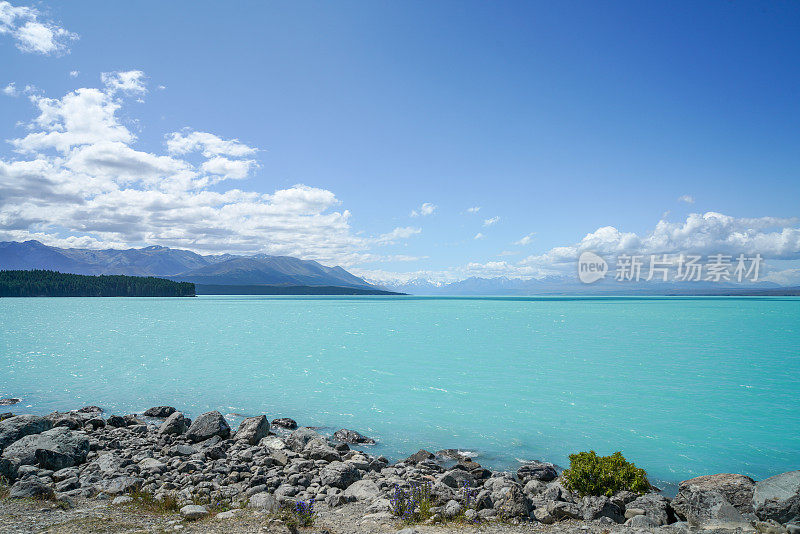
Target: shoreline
83,457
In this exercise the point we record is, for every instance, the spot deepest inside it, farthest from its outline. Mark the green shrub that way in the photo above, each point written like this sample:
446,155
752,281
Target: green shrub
144,499
4,488
590,474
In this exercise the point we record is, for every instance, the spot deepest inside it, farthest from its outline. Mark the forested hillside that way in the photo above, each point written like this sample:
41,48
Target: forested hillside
40,283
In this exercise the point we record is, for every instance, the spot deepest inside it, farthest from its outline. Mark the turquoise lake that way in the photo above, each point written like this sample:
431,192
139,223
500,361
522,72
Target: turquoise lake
682,386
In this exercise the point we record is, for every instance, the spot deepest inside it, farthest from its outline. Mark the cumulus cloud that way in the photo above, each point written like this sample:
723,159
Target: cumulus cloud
689,199
130,82
208,144
706,234
399,233
490,222
526,240
31,33
10,90
479,236
78,180
474,209
426,209
74,73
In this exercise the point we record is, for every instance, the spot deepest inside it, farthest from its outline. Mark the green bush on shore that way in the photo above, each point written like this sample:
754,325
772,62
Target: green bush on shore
590,474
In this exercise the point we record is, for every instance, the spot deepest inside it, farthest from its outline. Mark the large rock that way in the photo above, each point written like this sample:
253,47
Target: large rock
252,430
194,511
457,478
542,471
120,485
318,449
419,456
263,501
653,505
510,502
8,469
363,490
736,489
31,489
594,507
53,449
174,424
207,426
285,422
351,436
778,498
298,439
18,427
159,412
707,509
339,474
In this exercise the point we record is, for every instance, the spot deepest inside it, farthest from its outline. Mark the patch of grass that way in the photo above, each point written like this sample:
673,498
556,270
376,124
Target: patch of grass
590,474
168,504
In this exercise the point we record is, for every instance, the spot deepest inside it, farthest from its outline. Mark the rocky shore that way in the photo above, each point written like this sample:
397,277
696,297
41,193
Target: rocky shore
201,475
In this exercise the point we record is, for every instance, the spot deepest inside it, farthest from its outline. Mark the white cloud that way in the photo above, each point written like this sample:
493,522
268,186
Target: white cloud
208,144
80,181
490,222
11,90
526,240
775,238
426,209
479,236
31,34
129,82
398,233
74,73
474,209
686,198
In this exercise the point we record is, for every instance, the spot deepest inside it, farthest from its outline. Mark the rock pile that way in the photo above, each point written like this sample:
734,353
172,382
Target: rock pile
81,454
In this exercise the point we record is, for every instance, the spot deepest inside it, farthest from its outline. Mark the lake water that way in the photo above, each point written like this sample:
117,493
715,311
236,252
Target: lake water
682,386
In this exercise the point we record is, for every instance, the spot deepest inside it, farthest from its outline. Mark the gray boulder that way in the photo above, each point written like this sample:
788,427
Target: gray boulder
642,521
653,505
159,412
778,498
9,401
53,449
16,428
419,456
252,430
593,507
456,478
298,439
174,424
8,469
708,509
537,471
351,436
318,449
194,511
510,502
263,501
736,489
31,488
285,422
339,474
207,426
120,485
362,490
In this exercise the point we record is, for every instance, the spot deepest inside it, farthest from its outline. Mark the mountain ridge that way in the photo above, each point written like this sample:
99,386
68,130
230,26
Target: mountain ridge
177,264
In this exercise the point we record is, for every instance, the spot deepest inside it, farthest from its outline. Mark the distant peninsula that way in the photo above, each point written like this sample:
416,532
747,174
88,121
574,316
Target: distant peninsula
211,289
42,283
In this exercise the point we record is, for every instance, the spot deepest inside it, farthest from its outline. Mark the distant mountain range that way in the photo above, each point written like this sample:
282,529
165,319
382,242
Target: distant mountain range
178,265
566,285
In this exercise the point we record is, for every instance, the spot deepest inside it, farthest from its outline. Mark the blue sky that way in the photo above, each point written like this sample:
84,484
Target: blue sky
556,119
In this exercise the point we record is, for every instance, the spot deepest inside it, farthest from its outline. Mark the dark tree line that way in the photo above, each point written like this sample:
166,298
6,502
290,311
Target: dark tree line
39,283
